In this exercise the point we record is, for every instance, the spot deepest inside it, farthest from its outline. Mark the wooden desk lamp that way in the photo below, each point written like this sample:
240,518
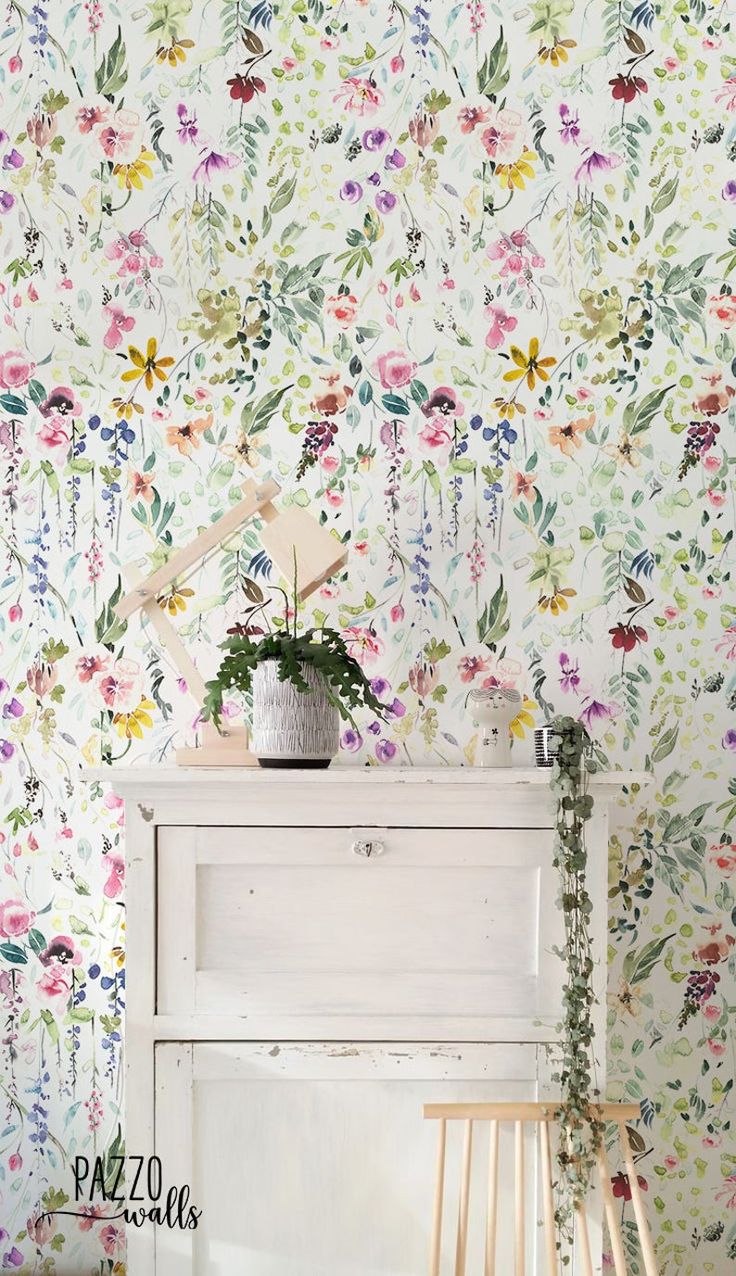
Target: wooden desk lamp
291,537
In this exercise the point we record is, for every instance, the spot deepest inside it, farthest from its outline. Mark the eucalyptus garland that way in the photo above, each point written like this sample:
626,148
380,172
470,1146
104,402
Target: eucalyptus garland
581,1131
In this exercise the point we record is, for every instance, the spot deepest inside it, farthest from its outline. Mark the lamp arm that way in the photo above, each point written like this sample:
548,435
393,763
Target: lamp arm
254,501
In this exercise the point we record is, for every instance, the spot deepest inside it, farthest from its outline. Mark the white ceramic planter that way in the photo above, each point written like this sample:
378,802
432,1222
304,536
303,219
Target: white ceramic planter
292,728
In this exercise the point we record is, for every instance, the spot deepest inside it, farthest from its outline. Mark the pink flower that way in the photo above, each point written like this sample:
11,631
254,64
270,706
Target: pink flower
334,497
88,666
120,690
471,116
728,643
434,437
728,1192
15,370
114,884
397,613
56,981
723,857
16,918
88,117
119,323
40,1228
343,308
712,462
671,64
723,309
716,497
470,666
120,138
711,1011
112,1238
362,97
15,1162
395,369
727,94
363,644
52,433
671,613
672,1162
503,139
115,803
501,323
716,1047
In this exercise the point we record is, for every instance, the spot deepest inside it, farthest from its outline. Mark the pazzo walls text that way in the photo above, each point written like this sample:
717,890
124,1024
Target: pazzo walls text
460,277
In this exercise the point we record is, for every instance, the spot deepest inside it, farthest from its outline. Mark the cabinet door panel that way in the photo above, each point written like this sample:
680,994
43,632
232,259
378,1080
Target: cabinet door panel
293,931
314,1160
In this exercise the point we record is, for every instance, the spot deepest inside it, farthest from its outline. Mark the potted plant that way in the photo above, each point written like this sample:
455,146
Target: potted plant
301,683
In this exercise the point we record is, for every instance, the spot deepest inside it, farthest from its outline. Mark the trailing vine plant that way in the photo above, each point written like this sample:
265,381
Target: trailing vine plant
581,1130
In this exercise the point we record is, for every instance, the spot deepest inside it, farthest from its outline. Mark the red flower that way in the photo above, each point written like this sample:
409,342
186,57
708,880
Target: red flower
622,1188
245,87
626,87
627,636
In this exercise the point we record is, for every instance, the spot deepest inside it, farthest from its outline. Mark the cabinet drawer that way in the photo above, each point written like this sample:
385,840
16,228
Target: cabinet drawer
444,933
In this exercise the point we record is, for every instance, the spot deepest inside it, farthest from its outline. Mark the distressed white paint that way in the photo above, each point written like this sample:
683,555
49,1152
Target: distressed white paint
292,1004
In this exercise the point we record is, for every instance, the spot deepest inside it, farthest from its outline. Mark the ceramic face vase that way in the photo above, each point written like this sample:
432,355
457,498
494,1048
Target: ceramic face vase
494,709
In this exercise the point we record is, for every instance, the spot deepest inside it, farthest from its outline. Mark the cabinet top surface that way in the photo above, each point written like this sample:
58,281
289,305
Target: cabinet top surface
196,780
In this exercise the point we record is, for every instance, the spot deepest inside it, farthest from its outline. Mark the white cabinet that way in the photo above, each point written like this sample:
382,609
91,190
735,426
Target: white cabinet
311,957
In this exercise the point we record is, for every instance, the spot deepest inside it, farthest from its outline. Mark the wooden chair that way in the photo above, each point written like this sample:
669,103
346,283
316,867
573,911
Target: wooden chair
541,1115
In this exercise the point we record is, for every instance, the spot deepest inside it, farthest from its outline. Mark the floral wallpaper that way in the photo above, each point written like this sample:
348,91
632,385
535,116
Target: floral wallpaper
460,277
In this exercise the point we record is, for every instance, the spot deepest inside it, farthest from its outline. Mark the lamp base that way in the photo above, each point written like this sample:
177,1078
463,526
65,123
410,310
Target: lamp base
219,750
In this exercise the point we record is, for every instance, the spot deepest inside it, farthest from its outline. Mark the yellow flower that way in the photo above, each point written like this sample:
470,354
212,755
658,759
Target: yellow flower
529,365
175,600
523,718
125,408
174,53
514,175
507,408
131,175
557,52
118,956
132,724
148,366
556,602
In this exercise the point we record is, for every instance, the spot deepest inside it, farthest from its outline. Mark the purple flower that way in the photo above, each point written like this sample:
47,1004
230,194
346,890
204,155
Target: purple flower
6,750
13,159
351,192
397,709
6,201
379,686
188,129
729,190
351,740
211,163
394,159
597,711
374,139
3,686
597,162
729,739
13,1258
375,728
386,750
570,671
385,201
570,131
374,179
13,709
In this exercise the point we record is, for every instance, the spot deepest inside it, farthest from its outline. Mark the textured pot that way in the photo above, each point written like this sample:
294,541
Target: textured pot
292,728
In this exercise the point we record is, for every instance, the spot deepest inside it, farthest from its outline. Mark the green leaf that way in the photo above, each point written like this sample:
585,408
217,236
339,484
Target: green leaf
257,413
665,744
11,952
283,196
112,75
395,405
639,414
639,963
51,1025
493,623
493,74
